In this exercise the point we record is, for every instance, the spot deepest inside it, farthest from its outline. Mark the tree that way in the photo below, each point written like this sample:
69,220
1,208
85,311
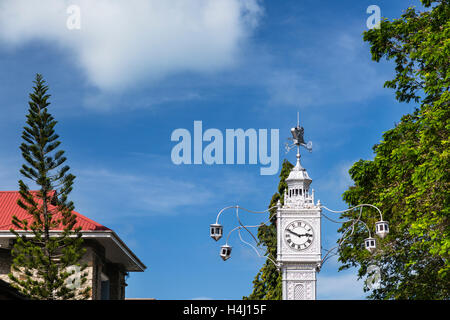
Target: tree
267,283
43,257
408,179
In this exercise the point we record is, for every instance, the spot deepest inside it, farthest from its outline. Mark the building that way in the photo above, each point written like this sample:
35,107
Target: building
299,232
108,258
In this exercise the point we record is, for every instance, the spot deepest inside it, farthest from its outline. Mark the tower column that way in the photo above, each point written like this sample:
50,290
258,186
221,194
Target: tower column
299,232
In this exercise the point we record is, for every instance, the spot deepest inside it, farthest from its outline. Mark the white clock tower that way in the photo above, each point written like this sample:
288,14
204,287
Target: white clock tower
298,232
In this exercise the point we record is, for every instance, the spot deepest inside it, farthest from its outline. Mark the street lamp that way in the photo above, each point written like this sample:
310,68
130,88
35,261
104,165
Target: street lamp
370,243
216,231
225,252
381,228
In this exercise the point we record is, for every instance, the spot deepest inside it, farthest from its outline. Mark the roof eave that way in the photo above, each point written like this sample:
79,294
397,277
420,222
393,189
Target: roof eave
95,234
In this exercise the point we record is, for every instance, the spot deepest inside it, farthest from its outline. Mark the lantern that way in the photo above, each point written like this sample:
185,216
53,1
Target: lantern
225,252
216,231
370,244
381,229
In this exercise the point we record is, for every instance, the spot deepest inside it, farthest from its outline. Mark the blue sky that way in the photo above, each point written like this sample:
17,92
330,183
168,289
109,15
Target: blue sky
135,71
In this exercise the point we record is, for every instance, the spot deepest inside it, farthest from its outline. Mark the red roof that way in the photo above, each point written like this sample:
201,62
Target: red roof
9,207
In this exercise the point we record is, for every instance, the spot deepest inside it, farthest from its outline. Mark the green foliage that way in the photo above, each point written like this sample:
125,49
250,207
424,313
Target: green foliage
41,258
409,177
267,283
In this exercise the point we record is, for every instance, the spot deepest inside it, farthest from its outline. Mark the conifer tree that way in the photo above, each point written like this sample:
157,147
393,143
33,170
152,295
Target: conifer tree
45,260
267,283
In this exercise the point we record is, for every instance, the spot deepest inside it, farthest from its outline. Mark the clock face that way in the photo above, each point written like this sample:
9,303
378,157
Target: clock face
298,235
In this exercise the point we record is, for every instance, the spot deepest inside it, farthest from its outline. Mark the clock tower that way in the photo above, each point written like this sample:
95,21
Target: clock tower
298,232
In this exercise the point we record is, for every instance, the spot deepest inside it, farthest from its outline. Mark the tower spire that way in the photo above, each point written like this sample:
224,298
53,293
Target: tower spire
298,181
298,229
298,165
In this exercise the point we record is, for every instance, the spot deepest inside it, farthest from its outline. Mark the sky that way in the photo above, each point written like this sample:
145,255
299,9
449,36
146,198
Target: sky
124,75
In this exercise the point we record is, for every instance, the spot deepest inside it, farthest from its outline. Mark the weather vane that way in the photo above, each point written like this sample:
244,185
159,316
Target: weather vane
297,138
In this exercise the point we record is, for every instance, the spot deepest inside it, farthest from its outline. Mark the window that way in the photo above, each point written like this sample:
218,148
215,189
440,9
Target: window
104,288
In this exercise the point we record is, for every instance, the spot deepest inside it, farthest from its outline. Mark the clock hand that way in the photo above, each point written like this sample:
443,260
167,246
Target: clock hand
305,235
299,235
294,233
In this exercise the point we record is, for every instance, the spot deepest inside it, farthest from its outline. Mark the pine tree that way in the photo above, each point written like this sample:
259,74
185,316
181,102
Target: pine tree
43,258
267,283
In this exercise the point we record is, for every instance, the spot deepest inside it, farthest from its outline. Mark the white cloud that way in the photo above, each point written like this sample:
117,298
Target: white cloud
122,43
